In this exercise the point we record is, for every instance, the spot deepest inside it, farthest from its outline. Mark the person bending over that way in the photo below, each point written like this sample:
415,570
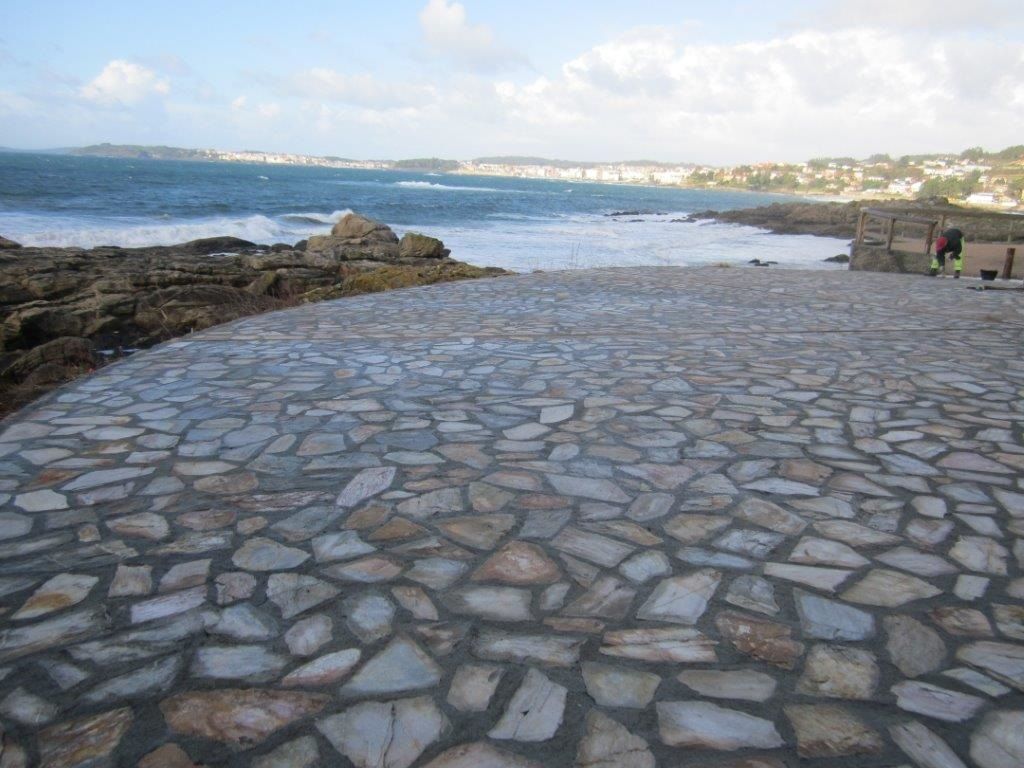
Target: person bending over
951,243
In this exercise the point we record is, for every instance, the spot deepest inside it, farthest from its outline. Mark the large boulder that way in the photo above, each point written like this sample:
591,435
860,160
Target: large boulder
417,246
59,353
207,245
323,251
6,244
355,227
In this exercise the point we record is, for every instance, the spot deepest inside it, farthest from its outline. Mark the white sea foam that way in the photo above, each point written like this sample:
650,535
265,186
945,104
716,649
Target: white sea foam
315,217
134,233
444,187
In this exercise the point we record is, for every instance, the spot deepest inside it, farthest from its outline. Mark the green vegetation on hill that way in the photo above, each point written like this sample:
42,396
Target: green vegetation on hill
140,152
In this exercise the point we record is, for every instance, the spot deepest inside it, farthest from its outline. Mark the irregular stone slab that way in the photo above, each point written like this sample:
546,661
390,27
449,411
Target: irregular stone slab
479,754
923,746
770,516
303,752
681,599
832,620
660,645
753,593
415,600
1009,620
613,686
369,570
435,572
493,603
390,734
369,617
108,477
234,586
980,553
57,593
40,501
551,650
703,725
825,579
607,597
479,531
534,713
921,563
252,663
260,554
716,684
692,529
148,680
914,648
592,547
998,741
825,730
294,594
167,756
608,744
811,550
144,525
168,605
976,680
588,488
344,545
763,639
933,701
889,589
185,575
959,621
401,666
27,709
644,566
439,502
473,685
325,670
839,672
307,636
855,535
238,716
487,498
85,741
520,563
650,506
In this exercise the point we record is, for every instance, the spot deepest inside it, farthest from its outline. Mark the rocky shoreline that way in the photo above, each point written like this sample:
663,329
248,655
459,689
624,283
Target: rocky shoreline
67,311
839,220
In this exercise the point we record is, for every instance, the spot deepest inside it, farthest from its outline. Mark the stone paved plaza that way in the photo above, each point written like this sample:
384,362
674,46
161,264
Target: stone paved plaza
637,517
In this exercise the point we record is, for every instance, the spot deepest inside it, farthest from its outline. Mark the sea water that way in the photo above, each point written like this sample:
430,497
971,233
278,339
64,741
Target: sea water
515,223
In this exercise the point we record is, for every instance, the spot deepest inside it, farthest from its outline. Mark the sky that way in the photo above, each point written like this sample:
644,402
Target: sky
725,82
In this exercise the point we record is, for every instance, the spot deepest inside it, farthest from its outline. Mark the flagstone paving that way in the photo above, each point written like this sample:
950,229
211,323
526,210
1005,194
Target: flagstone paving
636,517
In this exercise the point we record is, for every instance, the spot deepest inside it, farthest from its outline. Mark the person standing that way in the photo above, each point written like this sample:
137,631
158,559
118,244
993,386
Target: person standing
951,243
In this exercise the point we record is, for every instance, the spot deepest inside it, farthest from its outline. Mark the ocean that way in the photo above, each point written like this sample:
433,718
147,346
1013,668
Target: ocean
518,224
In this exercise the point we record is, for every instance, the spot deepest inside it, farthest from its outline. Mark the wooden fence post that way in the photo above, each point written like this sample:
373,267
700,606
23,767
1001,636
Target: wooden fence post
1008,263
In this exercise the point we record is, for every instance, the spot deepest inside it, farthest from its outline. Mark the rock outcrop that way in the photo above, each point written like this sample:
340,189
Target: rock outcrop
59,306
840,219
6,245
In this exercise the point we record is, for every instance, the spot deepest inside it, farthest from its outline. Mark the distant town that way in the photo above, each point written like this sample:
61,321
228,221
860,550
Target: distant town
974,176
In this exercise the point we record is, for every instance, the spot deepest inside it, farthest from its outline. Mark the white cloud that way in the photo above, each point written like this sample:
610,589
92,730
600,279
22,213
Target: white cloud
124,82
448,33
649,92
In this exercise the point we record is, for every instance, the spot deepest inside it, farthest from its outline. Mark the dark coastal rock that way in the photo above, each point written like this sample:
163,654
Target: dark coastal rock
840,219
207,245
416,246
45,360
355,227
8,245
839,258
